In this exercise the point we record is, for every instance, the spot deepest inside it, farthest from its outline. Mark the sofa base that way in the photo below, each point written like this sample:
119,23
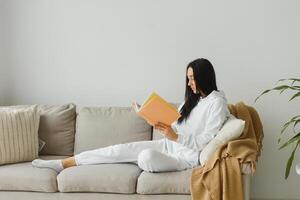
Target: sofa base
14,195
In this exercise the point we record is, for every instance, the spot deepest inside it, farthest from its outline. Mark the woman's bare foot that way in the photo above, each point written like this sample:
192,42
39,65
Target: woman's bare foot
68,162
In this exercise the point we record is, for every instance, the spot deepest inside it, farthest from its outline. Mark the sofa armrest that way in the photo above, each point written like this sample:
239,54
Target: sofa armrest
246,169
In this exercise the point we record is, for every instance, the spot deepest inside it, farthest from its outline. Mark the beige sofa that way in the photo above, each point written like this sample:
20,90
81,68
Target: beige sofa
95,127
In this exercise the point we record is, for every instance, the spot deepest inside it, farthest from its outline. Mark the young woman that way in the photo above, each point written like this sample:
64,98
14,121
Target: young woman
203,113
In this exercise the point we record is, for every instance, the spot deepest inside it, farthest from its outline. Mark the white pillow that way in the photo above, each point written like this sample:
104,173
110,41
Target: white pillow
232,129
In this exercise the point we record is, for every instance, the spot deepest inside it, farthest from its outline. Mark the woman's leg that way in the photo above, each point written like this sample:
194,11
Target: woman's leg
154,161
151,156
127,152
119,153
68,162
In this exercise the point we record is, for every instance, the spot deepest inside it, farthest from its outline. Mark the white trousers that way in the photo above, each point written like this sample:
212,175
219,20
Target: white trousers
151,156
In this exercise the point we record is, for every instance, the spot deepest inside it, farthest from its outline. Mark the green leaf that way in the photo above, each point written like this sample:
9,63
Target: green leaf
283,90
294,82
293,139
292,120
290,162
264,92
296,122
289,79
285,126
280,87
295,95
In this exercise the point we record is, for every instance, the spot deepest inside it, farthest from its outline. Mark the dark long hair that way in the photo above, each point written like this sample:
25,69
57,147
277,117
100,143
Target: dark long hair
205,80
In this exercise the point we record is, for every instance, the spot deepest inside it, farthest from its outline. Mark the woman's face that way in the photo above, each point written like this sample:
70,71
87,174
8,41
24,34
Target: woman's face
191,82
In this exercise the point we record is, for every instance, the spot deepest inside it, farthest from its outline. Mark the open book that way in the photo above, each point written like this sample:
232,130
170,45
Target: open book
156,109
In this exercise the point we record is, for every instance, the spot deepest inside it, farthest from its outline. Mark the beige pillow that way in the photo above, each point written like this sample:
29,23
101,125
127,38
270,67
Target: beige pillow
232,129
18,134
57,129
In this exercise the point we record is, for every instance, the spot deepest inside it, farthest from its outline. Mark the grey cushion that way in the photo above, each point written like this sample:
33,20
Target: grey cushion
57,129
114,178
156,135
23,176
164,183
103,126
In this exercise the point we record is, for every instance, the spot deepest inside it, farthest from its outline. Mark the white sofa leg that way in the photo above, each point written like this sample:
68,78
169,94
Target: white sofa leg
246,186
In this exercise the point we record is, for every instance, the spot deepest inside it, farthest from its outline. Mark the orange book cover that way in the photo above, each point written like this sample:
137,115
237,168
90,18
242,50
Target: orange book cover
156,109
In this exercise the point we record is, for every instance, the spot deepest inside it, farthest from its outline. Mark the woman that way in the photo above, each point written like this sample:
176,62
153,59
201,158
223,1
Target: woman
203,113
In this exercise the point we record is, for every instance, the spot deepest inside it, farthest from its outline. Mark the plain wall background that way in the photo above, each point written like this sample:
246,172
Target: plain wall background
108,53
3,65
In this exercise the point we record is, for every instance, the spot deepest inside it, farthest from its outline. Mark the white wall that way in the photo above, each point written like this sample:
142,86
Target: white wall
4,76
111,52
2,86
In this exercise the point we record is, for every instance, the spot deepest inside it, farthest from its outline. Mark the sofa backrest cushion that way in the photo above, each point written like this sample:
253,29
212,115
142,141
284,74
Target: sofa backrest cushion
57,129
103,126
18,134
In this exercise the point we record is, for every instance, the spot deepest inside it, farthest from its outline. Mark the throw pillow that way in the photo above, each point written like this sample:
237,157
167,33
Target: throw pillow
232,129
57,129
18,134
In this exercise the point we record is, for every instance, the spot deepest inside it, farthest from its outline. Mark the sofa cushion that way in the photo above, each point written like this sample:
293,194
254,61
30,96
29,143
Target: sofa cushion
114,178
103,126
18,134
57,129
164,183
25,177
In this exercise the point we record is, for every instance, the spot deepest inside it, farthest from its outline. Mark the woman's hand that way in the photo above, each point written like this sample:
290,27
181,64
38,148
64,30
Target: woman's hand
166,130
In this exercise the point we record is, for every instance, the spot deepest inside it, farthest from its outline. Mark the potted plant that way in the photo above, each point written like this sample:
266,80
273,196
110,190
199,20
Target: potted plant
295,139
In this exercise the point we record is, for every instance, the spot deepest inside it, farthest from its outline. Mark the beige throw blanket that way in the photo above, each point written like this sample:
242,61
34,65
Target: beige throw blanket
220,178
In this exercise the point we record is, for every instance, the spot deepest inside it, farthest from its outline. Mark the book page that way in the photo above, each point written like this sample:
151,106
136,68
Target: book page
136,106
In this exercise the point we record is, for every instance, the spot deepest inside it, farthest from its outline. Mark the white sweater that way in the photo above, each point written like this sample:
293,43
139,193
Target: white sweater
204,122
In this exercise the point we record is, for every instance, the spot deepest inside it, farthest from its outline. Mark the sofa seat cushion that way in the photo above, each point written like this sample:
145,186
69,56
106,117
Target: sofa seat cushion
110,178
164,183
25,177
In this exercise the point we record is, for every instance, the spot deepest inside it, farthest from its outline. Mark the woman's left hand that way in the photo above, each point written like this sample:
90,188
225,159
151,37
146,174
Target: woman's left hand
166,130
